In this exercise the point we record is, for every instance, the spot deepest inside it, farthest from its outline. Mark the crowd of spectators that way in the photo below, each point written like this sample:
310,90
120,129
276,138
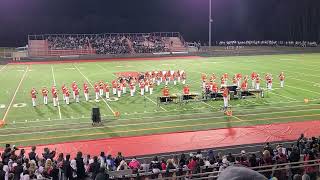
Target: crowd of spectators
269,43
108,44
16,164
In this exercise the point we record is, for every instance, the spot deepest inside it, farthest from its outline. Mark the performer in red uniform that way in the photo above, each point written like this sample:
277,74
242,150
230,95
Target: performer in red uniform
77,92
226,76
132,87
124,86
223,82
114,87
244,86
55,96
234,80
67,97
74,86
183,77
33,96
281,78
203,80
141,85
86,91
151,87
119,90
253,79
270,82
97,91
213,77
225,95
258,82
165,91
107,90
45,95
186,90
239,77
101,87
63,89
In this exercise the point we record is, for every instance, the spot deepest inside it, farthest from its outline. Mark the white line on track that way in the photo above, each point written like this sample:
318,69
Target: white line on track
154,122
93,87
3,67
15,93
54,83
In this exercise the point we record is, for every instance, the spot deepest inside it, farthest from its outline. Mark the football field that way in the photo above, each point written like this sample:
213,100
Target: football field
27,125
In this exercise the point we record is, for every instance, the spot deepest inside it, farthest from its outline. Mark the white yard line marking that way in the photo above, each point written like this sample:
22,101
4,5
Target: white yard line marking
15,93
208,104
3,67
237,118
93,87
268,91
302,80
54,83
154,122
105,69
154,102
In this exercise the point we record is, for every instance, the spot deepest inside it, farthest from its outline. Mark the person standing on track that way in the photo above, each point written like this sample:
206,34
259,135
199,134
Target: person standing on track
34,96
45,95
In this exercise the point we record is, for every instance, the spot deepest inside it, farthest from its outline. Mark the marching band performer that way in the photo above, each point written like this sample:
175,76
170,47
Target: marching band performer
63,88
96,90
253,79
226,76
45,95
281,78
119,88
141,85
114,87
225,95
55,96
107,90
239,77
258,82
165,91
270,82
146,85
132,87
33,96
77,92
101,87
150,87
86,91
74,86
124,86
67,97
183,77
186,90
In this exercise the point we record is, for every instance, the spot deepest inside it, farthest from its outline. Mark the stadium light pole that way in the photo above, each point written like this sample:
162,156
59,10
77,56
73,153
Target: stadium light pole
210,21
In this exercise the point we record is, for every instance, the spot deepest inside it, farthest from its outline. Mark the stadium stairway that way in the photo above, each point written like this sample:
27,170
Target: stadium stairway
175,44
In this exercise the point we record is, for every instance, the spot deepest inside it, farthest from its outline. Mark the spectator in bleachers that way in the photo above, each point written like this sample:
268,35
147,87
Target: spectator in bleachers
134,164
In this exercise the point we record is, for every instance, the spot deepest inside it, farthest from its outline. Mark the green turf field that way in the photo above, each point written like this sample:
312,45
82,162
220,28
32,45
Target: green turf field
26,125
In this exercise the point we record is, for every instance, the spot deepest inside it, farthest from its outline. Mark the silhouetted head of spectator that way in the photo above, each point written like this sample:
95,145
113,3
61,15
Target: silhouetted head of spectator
68,157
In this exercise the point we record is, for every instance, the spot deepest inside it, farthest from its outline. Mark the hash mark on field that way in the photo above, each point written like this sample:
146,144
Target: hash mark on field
15,93
93,87
54,83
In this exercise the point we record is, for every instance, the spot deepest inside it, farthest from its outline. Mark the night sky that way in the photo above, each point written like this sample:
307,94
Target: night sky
232,19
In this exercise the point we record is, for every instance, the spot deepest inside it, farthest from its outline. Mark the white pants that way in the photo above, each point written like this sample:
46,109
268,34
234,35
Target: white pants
45,100
97,95
134,88
225,102
124,90
114,91
142,91
33,102
253,84
238,83
158,82
67,100
153,80
77,98
107,95
174,82
86,96
64,97
146,88
269,86
101,92
166,83
183,81
257,85
119,93
131,92
151,90
179,79
55,102
282,84
74,95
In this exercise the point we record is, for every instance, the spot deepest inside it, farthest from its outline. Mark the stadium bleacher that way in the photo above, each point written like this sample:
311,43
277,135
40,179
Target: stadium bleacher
277,161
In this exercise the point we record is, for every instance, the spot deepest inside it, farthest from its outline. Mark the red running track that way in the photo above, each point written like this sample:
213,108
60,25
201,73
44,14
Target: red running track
184,141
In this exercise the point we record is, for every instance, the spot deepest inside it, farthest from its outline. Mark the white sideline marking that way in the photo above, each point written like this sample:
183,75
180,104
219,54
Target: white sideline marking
155,122
15,93
3,67
128,119
54,83
93,87
155,103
